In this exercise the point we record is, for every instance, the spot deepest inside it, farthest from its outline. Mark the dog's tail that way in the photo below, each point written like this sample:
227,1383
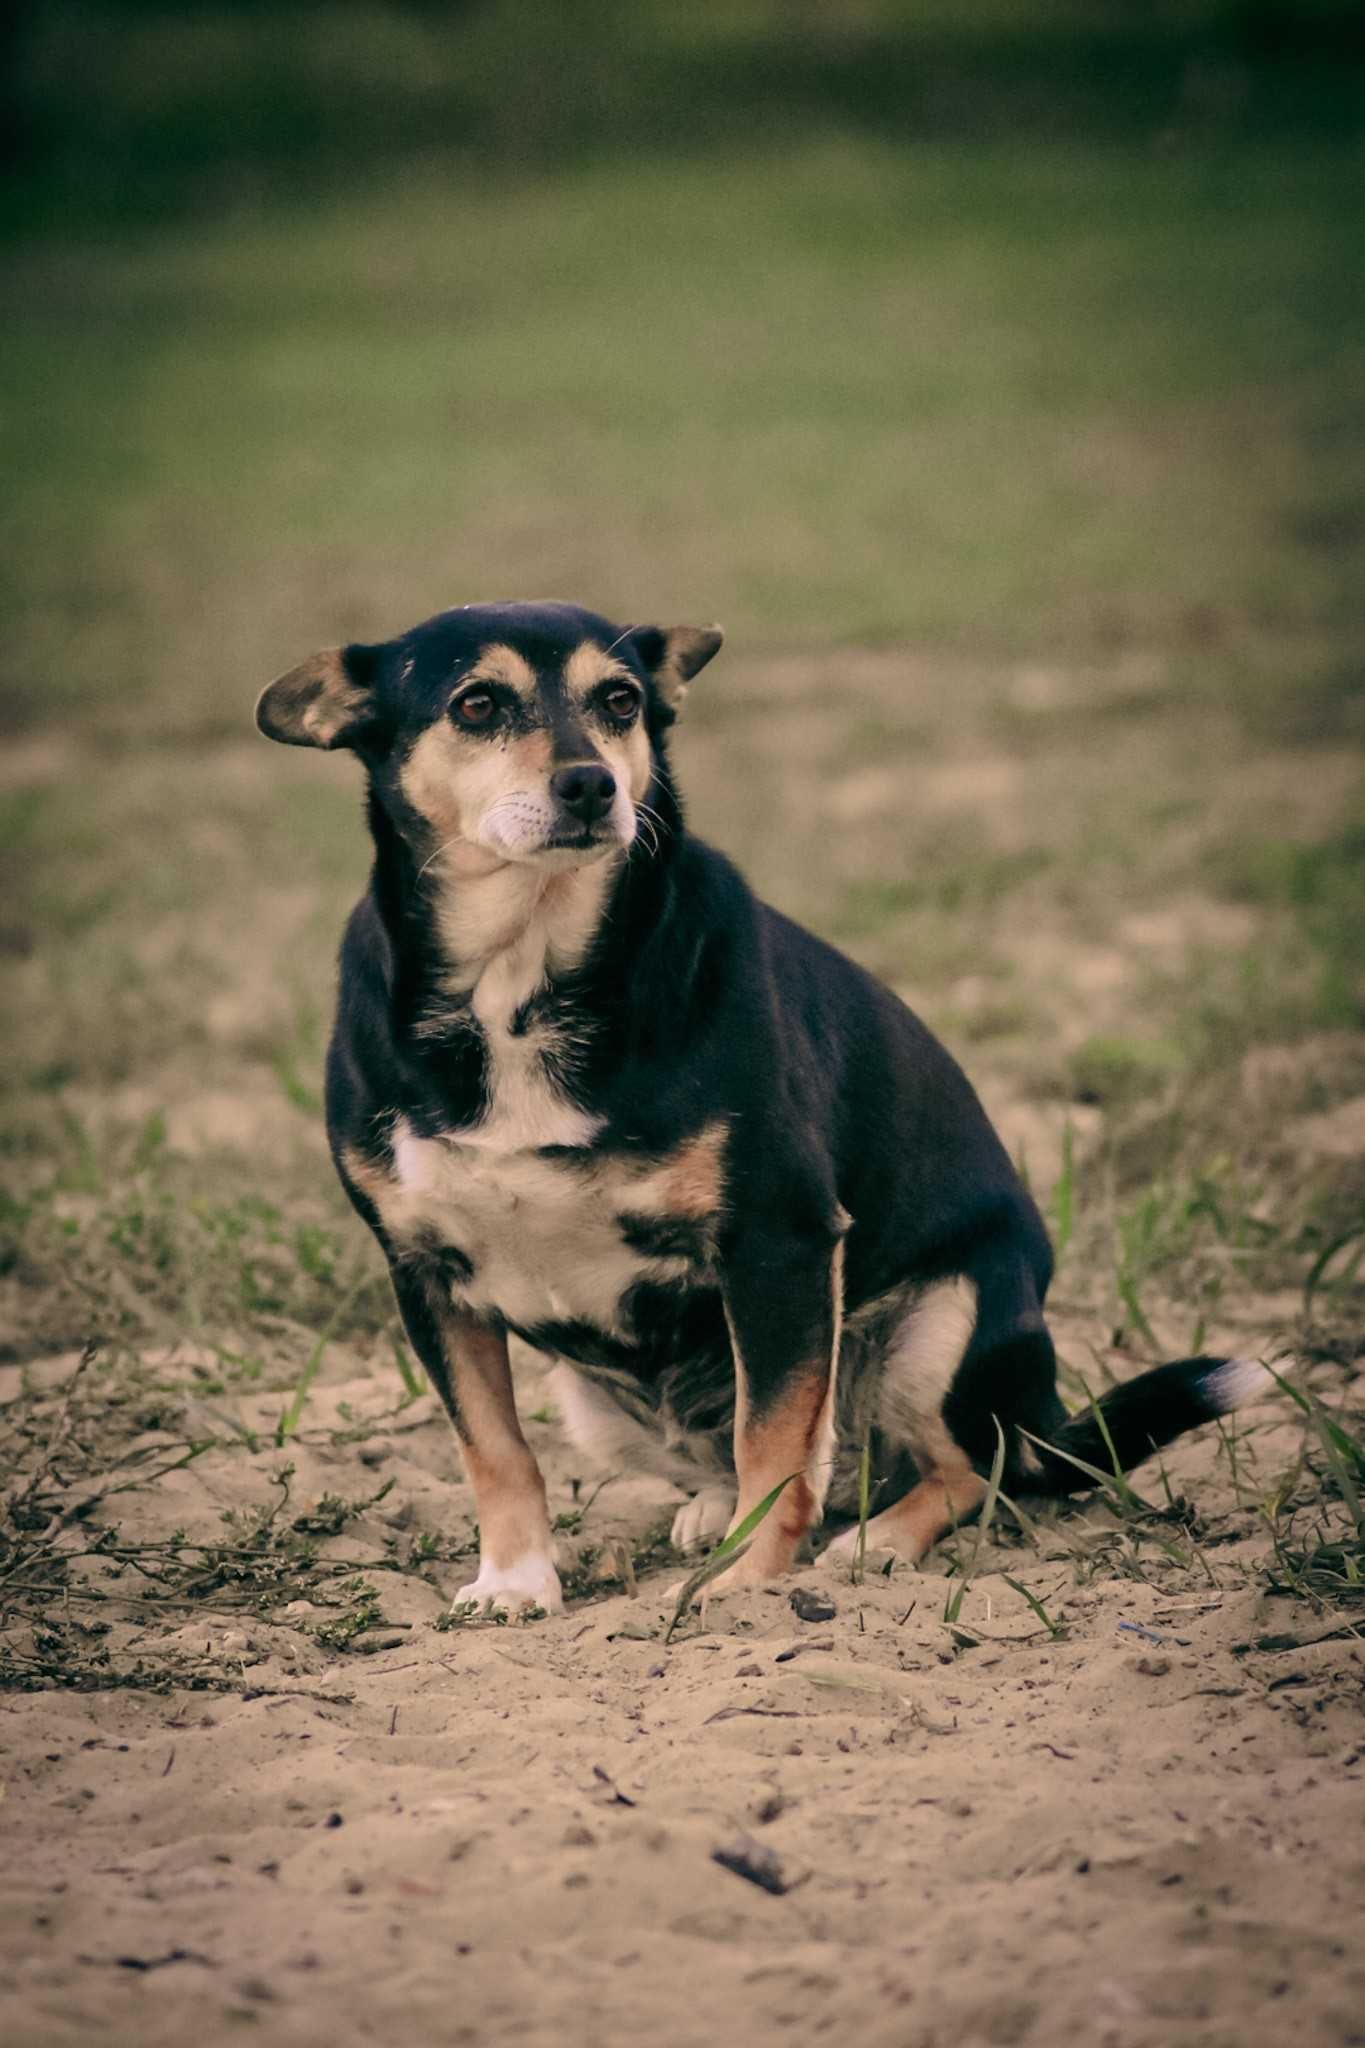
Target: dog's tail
1131,1421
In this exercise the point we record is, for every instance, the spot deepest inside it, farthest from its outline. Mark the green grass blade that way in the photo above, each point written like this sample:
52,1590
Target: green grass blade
1027,1526
1054,1628
1127,1291
414,1381
1064,1195
1317,1271
726,1552
1102,1479
1119,1481
291,1415
1345,1444
953,1607
864,1502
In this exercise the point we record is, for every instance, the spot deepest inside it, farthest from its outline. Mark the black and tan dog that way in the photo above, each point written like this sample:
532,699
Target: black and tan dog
584,1087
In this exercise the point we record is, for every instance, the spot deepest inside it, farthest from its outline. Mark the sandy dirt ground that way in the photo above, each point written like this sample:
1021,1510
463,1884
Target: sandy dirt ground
1144,1828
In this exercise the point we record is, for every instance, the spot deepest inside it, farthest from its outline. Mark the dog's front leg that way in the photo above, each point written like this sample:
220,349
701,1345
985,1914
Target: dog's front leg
784,1305
467,1363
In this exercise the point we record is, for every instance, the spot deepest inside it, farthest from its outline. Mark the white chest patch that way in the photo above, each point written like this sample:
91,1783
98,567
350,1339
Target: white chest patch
547,1240
525,1108
541,1239
504,939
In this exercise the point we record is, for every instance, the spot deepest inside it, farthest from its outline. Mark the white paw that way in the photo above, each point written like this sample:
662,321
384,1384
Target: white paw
843,1548
531,1582
704,1518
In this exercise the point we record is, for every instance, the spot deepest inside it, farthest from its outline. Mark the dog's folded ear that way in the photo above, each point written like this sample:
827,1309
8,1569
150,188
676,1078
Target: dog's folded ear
327,701
673,655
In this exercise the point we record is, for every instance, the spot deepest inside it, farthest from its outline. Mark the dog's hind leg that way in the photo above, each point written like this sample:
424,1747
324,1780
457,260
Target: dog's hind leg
922,1360
785,1310
912,1525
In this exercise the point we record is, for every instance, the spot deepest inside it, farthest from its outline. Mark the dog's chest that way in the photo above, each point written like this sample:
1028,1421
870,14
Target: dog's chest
554,1239
534,1220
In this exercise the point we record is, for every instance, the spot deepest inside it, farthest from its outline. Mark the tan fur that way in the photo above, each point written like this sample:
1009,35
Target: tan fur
313,705
451,780
588,665
793,1440
781,1445
919,1370
820,1468
509,1493
368,1175
686,650
923,1358
492,797
912,1526
625,753
693,1182
499,663
516,1549
628,757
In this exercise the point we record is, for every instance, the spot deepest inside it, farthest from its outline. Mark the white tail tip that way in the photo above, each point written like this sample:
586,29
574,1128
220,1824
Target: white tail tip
1239,1381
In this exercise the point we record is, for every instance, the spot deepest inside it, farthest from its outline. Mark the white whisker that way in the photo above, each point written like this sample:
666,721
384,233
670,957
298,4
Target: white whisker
653,822
444,847
649,822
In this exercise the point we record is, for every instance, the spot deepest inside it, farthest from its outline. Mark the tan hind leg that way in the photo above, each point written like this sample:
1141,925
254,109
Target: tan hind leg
912,1525
921,1362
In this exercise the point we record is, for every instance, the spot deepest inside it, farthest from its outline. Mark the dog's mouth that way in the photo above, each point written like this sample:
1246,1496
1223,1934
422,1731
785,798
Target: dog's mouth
584,839
524,828
579,848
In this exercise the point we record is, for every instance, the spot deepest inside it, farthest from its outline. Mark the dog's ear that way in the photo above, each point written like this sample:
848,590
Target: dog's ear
673,655
327,701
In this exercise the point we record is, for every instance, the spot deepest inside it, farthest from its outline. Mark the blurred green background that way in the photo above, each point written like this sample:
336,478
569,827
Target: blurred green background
993,373
840,321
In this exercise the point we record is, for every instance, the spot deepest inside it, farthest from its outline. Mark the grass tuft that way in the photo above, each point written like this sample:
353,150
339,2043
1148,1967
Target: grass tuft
727,1552
957,1594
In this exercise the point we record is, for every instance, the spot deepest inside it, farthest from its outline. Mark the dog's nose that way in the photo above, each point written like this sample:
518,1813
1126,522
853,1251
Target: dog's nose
585,790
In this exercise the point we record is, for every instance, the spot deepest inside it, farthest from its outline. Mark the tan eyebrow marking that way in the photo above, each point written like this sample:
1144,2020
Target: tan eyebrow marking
589,665
499,663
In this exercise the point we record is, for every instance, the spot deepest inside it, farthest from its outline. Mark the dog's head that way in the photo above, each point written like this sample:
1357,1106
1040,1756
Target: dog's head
526,731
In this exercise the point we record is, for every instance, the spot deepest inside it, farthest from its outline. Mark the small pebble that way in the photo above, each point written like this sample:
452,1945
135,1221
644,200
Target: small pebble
752,1860
808,1605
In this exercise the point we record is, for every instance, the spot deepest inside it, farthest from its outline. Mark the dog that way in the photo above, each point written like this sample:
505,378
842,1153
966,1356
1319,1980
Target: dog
586,1089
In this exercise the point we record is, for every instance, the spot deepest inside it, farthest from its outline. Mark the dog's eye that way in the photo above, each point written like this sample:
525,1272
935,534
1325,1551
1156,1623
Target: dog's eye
476,707
623,702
